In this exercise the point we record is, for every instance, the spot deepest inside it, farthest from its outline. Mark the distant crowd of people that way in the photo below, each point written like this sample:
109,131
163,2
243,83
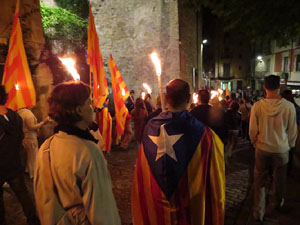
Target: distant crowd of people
179,176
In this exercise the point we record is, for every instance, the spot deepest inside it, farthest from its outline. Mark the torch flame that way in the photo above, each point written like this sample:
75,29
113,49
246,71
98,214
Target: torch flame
123,92
220,91
156,62
147,87
17,87
214,94
195,98
143,95
70,64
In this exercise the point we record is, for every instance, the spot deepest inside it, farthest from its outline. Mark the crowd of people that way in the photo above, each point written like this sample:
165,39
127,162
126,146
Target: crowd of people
179,176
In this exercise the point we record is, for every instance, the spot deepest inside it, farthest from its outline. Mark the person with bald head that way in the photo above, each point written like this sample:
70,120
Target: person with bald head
179,176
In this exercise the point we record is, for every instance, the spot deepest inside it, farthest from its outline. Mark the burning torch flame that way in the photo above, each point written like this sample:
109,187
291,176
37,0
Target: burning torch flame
220,91
195,98
143,95
70,64
147,87
214,94
123,92
17,87
156,62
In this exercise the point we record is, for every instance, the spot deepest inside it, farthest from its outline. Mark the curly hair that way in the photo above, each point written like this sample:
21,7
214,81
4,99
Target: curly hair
64,100
3,95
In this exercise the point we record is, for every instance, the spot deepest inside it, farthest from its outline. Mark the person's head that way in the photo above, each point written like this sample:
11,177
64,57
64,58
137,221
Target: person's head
3,95
234,106
148,97
247,100
227,98
272,83
203,96
132,92
288,95
70,104
233,96
177,95
139,103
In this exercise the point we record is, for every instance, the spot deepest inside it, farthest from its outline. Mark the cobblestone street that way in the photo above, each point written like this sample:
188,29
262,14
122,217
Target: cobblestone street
238,188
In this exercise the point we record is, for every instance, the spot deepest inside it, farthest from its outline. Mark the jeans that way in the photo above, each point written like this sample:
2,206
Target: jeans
263,162
17,184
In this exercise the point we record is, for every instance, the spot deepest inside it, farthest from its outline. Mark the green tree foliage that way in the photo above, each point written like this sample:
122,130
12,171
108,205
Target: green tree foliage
258,19
78,7
60,24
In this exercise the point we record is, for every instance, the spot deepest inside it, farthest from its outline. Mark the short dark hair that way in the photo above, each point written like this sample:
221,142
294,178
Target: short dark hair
177,92
3,95
139,103
132,92
272,82
233,95
203,96
64,100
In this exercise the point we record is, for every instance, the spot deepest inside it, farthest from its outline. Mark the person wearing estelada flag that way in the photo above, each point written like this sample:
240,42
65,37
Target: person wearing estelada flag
179,176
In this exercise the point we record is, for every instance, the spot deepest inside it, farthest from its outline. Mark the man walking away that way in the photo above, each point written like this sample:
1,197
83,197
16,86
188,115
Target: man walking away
11,170
273,132
179,176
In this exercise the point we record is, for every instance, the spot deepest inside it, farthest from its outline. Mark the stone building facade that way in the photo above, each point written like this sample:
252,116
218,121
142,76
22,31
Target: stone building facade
130,30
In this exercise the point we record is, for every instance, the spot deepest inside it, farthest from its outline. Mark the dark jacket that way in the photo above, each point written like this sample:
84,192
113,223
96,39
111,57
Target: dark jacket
10,144
212,117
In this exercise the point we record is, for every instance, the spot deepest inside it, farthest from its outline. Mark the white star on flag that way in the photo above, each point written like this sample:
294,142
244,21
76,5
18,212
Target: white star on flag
165,143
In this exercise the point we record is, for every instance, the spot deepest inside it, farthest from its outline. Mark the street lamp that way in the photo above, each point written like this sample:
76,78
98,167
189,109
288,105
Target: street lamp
259,58
200,75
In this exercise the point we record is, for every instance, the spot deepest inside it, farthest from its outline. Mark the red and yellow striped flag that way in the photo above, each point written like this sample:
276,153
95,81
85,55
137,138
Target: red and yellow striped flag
17,77
120,93
104,122
94,59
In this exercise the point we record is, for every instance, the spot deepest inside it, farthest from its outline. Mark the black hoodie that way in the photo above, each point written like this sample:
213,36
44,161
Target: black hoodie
10,144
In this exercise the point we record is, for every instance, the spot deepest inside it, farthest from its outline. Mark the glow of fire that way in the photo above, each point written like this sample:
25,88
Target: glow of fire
70,65
156,63
123,92
195,98
147,87
220,91
17,87
214,94
220,98
143,95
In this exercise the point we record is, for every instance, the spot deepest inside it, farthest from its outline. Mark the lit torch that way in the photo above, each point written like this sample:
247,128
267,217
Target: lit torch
156,63
70,65
17,87
195,98
143,95
214,94
147,87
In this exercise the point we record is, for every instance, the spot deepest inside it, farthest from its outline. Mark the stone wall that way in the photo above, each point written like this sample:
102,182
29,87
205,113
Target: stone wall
188,41
130,30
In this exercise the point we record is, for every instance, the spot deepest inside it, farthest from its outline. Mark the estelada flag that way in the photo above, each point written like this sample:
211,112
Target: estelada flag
17,77
120,93
104,122
179,176
94,59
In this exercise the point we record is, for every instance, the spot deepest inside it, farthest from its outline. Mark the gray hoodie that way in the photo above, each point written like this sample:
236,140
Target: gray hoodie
273,126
